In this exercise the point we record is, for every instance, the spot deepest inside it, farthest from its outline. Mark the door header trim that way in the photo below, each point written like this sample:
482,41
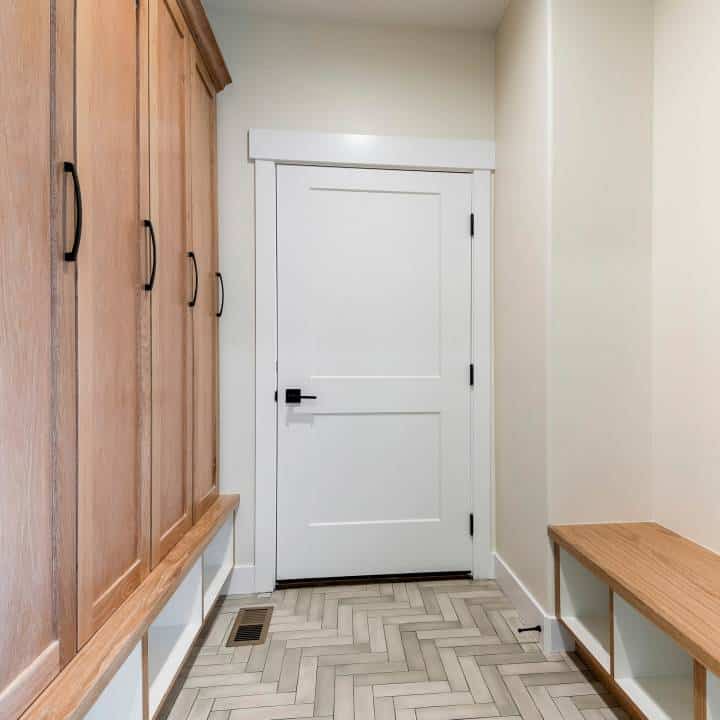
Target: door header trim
372,151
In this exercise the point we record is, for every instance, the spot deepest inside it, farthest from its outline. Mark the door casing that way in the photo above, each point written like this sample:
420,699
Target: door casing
270,148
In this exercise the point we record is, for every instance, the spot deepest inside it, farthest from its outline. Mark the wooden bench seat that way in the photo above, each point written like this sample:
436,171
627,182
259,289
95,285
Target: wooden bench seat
72,694
663,589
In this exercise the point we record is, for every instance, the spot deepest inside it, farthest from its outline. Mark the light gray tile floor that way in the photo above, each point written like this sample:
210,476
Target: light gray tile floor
403,651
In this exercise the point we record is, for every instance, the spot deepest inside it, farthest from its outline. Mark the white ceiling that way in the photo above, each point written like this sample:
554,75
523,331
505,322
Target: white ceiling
447,14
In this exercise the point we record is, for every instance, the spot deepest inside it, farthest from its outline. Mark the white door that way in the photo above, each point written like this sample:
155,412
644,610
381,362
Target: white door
374,282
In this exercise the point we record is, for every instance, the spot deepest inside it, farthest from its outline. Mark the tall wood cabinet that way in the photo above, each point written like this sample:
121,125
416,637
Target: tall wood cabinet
112,342
210,298
108,312
175,280
37,425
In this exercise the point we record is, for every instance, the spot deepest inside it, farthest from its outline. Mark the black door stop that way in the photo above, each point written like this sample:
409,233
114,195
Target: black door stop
537,628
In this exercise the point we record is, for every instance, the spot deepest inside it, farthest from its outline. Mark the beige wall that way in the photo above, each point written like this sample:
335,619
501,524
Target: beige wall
327,78
600,289
573,251
589,295
521,274
686,269
633,283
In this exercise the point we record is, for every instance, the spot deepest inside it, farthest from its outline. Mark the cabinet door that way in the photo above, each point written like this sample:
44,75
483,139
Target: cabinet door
113,482
37,428
171,319
205,321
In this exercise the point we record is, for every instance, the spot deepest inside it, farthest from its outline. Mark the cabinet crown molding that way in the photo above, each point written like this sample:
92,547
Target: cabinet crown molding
207,44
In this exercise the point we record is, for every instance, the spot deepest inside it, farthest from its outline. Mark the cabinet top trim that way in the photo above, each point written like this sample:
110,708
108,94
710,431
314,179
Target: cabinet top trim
202,32
671,580
73,692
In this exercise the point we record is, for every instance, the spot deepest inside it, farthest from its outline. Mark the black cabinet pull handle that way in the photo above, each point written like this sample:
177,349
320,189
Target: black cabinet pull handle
222,294
71,255
294,396
191,255
150,284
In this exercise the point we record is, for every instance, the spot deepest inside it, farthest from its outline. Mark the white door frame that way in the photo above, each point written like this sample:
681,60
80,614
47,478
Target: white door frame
268,148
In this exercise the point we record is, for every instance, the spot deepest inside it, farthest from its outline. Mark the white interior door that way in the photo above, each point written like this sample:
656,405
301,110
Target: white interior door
374,294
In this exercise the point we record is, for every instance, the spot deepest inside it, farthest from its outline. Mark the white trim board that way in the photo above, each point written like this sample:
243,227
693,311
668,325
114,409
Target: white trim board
241,581
371,151
269,148
554,637
481,399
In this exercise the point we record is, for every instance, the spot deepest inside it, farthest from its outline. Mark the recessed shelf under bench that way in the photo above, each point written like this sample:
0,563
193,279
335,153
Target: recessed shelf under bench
133,659
643,605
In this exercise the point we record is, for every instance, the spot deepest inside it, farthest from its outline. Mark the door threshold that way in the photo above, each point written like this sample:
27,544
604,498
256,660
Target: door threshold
372,579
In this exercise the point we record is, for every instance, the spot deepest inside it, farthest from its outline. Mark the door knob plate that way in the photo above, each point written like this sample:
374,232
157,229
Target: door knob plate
294,396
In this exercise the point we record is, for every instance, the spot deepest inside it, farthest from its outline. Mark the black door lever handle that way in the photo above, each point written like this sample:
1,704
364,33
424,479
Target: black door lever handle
294,396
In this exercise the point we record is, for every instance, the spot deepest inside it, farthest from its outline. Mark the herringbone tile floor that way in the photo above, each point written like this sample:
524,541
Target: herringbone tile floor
406,651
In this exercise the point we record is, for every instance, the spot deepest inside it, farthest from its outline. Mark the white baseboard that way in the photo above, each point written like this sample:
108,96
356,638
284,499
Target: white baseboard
555,638
241,581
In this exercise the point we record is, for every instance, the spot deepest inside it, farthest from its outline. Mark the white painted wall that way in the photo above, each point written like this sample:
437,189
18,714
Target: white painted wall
572,272
600,289
521,291
686,269
592,299
319,77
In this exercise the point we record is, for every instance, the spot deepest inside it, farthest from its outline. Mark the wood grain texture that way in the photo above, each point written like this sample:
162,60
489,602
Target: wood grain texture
64,307
171,320
112,487
612,632
669,579
145,304
208,47
74,691
36,514
556,566
205,323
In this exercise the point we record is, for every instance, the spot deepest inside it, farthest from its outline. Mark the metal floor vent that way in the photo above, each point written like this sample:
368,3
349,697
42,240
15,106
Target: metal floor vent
250,627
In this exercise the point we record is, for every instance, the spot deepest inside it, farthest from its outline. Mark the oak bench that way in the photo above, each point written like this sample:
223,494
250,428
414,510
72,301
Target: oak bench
643,606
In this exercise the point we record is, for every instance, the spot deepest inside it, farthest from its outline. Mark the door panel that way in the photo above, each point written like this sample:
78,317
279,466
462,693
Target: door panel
373,320
113,548
36,491
205,322
171,328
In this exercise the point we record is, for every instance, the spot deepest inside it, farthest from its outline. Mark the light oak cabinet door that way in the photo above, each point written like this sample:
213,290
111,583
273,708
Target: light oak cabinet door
37,431
205,313
175,279
113,476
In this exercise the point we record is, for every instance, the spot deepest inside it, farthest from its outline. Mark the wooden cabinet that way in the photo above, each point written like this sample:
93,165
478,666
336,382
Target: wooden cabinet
112,307
175,281
108,381
37,429
210,290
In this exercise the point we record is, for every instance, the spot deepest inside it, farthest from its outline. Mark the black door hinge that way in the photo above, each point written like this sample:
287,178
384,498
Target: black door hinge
472,374
472,224
276,396
472,524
